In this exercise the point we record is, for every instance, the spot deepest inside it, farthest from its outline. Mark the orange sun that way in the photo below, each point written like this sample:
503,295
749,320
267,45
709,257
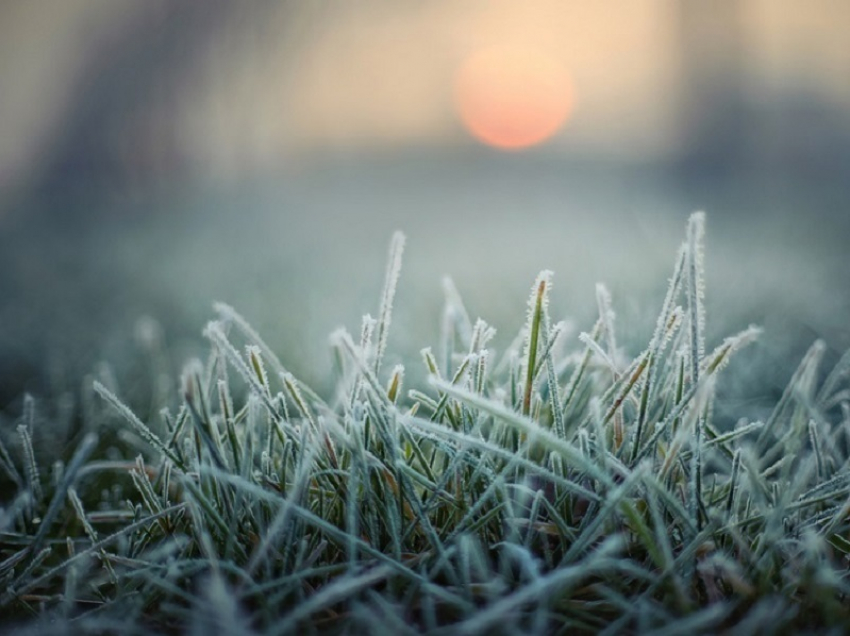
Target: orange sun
512,98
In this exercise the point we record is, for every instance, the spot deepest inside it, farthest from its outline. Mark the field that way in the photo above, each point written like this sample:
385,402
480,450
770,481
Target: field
559,485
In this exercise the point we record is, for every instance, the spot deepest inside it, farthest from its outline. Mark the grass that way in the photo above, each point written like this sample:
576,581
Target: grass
543,490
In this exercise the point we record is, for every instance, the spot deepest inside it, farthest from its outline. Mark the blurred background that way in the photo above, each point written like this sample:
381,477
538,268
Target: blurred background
157,156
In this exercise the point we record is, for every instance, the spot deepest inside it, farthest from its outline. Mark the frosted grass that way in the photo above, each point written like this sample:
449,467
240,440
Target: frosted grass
562,485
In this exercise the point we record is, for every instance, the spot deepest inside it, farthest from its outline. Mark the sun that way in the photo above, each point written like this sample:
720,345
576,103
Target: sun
512,98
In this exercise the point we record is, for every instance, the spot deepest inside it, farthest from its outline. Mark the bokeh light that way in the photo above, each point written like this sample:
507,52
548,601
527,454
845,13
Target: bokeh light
512,98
